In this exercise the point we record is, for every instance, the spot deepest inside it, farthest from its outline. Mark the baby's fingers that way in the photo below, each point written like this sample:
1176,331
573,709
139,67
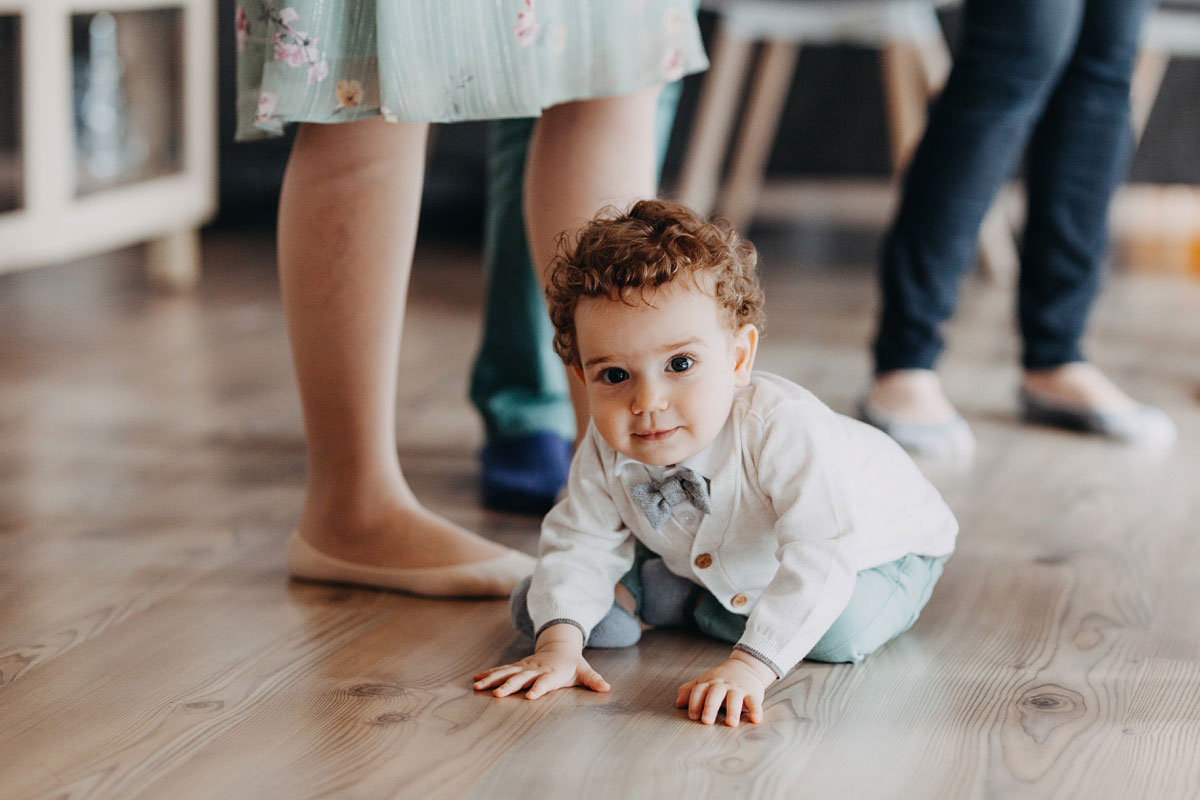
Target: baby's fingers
685,691
696,700
733,707
712,704
592,680
546,682
754,708
490,677
516,683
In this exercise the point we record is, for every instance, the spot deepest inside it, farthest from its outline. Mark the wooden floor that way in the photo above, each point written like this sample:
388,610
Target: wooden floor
151,646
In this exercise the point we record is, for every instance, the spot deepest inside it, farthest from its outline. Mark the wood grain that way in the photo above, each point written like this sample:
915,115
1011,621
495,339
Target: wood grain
151,646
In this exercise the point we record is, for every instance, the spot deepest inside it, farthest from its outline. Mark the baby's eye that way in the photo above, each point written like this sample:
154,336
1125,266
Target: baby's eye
614,375
680,364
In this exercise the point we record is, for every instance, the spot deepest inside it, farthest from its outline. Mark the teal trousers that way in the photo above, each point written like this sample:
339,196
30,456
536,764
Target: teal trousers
518,383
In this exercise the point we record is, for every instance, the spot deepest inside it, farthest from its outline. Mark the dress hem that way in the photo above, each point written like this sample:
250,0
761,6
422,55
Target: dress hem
276,126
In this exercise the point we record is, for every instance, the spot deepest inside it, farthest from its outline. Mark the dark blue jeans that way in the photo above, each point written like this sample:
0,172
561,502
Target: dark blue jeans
1048,75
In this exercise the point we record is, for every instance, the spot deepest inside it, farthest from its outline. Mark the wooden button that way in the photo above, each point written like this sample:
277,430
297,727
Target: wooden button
738,600
704,561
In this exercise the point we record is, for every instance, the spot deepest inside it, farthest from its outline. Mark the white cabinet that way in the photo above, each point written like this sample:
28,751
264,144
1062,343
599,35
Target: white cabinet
107,130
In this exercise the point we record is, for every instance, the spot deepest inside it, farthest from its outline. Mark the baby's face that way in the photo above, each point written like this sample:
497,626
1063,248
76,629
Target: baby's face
660,374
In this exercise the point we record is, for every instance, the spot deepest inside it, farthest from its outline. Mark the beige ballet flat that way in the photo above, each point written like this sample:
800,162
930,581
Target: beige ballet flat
494,577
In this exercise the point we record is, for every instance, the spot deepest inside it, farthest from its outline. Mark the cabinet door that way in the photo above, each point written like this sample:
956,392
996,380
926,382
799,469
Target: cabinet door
127,96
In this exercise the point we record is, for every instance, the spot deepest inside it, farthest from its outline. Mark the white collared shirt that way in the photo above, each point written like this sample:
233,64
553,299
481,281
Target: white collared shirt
803,499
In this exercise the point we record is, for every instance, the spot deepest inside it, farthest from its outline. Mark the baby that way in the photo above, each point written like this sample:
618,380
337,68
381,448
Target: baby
730,501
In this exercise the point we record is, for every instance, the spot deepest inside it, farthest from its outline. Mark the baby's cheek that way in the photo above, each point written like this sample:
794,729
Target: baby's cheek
609,427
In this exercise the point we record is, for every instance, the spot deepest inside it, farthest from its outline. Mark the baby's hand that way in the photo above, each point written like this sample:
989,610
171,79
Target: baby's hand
738,683
557,664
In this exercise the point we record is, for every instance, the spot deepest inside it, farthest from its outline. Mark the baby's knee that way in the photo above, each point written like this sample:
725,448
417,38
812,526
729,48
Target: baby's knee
887,600
842,653
853,637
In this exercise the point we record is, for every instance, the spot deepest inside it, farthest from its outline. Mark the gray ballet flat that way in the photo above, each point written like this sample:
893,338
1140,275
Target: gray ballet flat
951,439
1141,425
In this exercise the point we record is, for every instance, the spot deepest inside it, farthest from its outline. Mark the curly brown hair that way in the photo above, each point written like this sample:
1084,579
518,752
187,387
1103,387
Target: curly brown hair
651,244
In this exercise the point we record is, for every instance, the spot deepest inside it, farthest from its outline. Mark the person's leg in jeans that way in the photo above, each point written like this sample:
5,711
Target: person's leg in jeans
1013,54
518,382
1078,156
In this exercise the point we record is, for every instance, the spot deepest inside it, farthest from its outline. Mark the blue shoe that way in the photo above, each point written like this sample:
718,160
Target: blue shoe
524,474
951,440
1142,425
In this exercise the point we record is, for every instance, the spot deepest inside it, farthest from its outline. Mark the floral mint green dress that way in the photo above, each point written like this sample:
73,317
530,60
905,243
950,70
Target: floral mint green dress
450,60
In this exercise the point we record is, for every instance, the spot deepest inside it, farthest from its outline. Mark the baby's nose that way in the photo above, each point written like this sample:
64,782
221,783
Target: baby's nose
649,398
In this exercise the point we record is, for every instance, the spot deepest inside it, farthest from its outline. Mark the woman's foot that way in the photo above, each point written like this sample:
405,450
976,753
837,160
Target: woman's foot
910,406
402,546
1078,396
1078,385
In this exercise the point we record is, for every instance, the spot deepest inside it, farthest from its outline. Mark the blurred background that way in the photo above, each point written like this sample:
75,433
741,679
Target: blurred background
117,127
143,100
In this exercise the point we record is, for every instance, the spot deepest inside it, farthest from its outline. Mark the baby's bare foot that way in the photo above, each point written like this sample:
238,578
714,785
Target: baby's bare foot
625,599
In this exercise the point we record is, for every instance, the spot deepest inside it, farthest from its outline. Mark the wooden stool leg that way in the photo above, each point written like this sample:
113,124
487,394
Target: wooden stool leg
935,60
1147,80
709,135
173,261
910,77
998,254
1146,211
757,134
905,98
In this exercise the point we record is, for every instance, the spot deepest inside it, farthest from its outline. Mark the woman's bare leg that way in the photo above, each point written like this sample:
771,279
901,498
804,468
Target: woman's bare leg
347,226
584,156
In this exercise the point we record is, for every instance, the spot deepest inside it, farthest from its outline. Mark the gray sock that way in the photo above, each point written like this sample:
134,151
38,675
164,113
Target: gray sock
619,628
667,599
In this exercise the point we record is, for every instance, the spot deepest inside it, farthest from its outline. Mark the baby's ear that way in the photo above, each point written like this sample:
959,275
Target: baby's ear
745,346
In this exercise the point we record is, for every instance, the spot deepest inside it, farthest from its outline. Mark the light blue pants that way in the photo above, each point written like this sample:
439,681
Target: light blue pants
886,602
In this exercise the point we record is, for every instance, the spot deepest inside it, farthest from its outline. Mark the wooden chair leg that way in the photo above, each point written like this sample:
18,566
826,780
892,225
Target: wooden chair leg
1148,213
768,94
934,57
905,99
911,75
1147,80
998,254
173,261
709,137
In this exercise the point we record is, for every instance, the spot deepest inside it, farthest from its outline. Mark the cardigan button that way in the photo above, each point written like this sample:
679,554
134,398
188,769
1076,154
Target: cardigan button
703,561
738,600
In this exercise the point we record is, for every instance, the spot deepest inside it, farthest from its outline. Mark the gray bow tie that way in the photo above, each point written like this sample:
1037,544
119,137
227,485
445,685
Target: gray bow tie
657,497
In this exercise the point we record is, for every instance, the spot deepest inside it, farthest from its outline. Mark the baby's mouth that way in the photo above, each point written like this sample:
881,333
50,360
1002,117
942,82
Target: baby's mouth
655,436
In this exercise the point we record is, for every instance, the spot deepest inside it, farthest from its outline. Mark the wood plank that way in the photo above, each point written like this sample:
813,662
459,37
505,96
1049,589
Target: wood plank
152,459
